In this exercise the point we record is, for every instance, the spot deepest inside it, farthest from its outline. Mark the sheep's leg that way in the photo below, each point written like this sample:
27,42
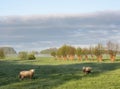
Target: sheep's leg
88,72
30,77
22,77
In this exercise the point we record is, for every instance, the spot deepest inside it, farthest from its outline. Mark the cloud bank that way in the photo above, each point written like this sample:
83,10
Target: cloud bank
38,32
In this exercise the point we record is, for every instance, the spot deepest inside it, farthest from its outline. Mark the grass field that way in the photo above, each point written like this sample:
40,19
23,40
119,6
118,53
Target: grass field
56,74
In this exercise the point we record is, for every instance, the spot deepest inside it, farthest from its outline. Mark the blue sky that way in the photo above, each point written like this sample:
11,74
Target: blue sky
30,7
40,24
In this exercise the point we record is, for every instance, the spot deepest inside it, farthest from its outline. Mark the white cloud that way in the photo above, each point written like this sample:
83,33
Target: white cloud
12,36
77,33
38,32
117,31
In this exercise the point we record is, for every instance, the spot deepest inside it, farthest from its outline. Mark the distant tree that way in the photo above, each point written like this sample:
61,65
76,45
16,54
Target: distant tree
91,52
59,54
64,51
8,50
113,49
53,54
79,53
2,54
98,51
31,56
85,53
71,52
48,51
23,55
35,52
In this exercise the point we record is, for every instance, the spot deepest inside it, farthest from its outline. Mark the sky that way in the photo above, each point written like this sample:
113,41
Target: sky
30,7
40,24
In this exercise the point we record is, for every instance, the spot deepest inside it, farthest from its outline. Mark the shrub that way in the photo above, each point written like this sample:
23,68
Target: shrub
31,57
53,54
2,54
22,55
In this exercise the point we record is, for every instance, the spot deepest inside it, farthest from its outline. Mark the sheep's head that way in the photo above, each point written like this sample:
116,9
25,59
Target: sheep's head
84,68
32,70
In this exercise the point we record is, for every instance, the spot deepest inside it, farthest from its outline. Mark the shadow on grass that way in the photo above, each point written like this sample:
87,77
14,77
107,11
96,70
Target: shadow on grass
48,76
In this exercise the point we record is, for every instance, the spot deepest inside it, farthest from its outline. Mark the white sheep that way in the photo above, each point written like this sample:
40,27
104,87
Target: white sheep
24,74
87,70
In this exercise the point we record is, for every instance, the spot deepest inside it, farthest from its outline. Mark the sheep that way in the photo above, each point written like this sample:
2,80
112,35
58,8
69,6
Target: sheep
87,70
24,74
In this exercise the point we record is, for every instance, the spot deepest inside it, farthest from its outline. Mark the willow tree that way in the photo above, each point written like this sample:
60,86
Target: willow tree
58,54
64,51
71,52
113,49
85,53
98,51
79,53
91,52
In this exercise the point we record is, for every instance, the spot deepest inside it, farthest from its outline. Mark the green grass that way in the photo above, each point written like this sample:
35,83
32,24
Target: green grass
56,74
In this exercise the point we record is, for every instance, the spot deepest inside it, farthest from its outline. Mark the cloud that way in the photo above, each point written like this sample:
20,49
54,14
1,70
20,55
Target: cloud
38,32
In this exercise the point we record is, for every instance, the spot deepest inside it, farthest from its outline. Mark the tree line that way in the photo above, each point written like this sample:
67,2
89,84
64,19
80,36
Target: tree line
4,51
67,52
21,55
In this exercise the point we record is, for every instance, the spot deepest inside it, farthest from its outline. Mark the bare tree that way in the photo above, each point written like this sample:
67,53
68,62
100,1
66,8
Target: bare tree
91,52
113,49
79,53
63,51
98,51
71,52
85,53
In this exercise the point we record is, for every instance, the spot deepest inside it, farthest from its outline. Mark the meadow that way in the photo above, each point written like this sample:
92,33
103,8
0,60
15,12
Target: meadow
59,74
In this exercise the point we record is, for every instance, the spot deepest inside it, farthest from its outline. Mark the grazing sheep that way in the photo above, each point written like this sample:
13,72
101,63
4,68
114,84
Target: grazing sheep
87,70
24,74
